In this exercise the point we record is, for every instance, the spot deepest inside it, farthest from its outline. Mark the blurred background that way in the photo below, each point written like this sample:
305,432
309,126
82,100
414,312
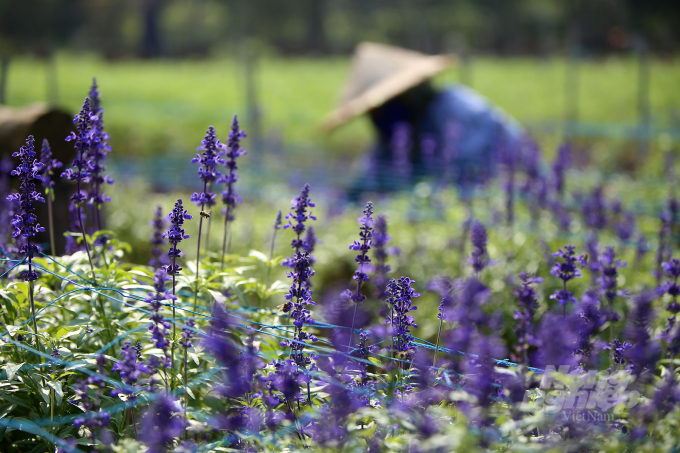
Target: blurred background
600,71
602,74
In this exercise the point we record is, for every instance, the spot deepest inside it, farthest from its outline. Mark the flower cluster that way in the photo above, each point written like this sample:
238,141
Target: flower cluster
594,209
299,296
207,170
444,286
82,166
161,424
130,369
380,268
618,352
158,258
565,271
624,225
479,258
560,166
175,235
187,333
645,352
300,215
159,326
400,298
99,148
366,234
609,266
672,270
528,304
6,167
49,165
94,417
234,150
25,222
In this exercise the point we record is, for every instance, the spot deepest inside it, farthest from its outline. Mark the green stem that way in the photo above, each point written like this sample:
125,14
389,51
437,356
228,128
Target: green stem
224,237
50,220
198,256
174,327
186,393
35,322
441,322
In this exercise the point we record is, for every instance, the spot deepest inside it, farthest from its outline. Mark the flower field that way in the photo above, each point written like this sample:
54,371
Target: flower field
535,311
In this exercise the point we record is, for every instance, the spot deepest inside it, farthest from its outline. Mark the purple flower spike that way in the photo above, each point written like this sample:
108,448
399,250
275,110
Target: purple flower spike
363,246
299,296
49,165
158,258
479,258
207,170
609,266
161,424
444,286
160,327
381,268
366,234
130,370
234,150
400,295
175,235
556,339
560,167
94,417
645,352
594,209
25,221
82,166
99,148
300,215
672,270
565,271
527,303
188,333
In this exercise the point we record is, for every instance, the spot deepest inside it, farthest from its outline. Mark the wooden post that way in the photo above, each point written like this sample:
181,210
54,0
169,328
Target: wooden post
253,108
644,119
4,67
571,83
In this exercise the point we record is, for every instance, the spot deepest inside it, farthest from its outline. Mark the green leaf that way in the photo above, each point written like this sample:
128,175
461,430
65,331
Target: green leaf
375,361
45,393
218,296
61,332
239,294
11,369
58,391
81,337
259,255
191,394
22,424
40,448
6,409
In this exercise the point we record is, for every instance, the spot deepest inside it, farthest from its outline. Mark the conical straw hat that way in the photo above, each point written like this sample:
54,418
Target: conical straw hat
380,72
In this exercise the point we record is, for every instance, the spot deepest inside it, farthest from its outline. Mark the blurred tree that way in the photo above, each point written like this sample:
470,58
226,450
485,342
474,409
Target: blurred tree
151,28
38,26
151,40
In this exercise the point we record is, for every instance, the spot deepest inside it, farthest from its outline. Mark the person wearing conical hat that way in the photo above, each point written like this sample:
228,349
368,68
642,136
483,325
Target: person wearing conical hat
453,134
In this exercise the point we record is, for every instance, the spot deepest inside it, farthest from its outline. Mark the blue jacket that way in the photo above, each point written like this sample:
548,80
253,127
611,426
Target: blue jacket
456,140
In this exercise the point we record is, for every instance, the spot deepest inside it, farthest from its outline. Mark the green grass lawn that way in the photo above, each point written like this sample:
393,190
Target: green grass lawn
164,106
